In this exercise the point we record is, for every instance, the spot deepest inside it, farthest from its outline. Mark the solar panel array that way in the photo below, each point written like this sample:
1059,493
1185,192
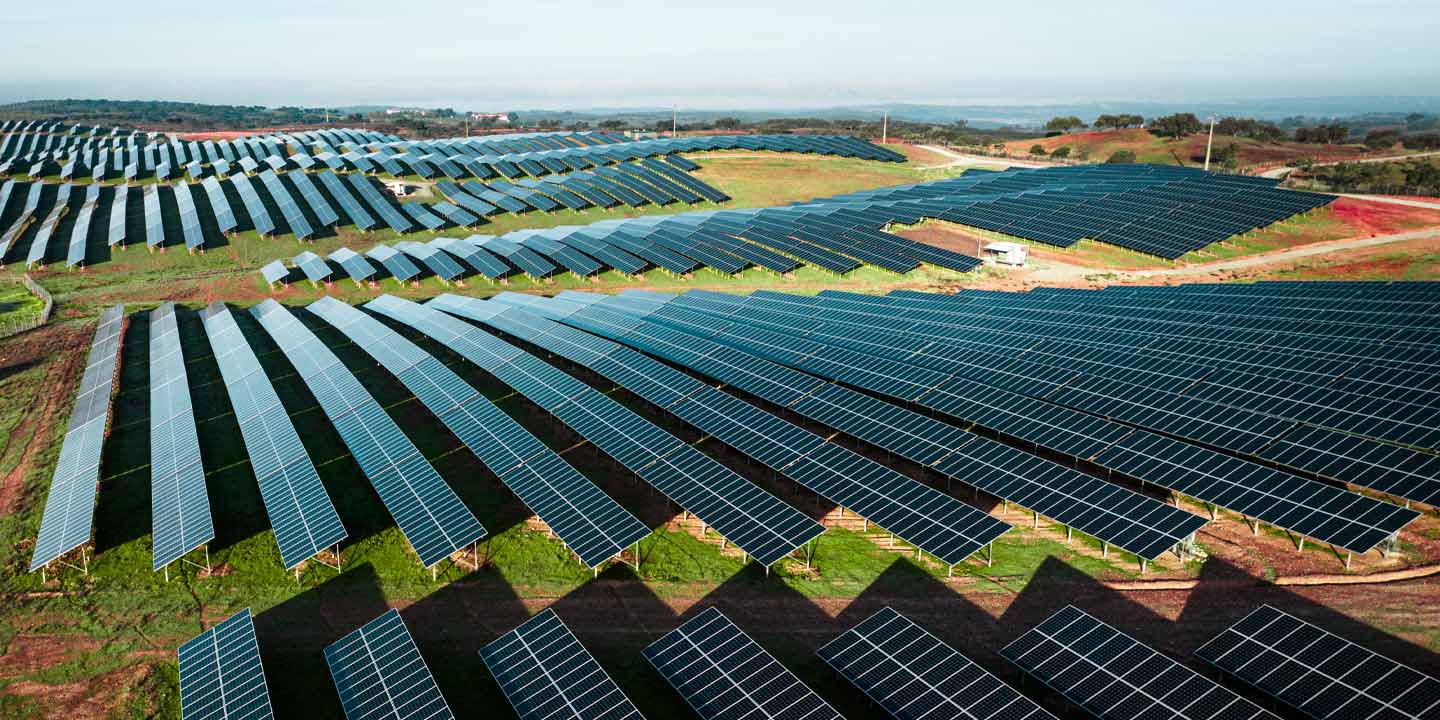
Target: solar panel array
432,518
179,505
753,519
296,502
221,675
722,673
586,519
70,505
354,264
1131,521
914,676
548,675
1113,676
941,373
1318,672
380,675
933,521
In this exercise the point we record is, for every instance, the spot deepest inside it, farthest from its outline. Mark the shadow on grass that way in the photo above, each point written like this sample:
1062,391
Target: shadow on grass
123,506
293,636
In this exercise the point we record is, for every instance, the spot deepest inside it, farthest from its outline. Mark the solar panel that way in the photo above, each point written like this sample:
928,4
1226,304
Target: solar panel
586,519
274,272
941,525
380,675
79,235
1142,525
1111,675
354,263
289,208
382,207
41,242
154,220
358,216
438,262
400,267
324,213
189,217
70,506
722,673
1317,672
299,509
753,519
179,505
313,266
220,205
487,264
221,676
254,206
914,676
548,675
432,518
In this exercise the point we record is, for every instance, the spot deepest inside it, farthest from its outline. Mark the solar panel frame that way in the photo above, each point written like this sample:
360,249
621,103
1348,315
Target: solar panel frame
913,675
1318,672
722,673
380,675
221,674
546,674
1115,677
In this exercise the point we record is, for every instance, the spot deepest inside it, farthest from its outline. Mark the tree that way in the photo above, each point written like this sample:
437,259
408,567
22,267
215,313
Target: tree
1176,126
549,124
1381,138
1037,149
727,123
612,125
1228,156
1116,122
1061,152
1063,124
1121,156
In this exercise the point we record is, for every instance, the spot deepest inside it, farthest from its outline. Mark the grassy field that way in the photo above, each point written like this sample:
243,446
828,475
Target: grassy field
17,305
1150,148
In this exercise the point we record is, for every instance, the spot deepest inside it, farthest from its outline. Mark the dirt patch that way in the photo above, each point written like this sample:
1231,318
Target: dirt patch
96,697
27,653
1375,218
62,347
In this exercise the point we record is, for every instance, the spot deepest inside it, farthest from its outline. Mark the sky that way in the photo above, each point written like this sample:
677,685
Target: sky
736,54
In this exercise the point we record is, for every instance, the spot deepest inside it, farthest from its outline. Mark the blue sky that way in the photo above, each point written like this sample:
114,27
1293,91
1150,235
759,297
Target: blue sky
737,54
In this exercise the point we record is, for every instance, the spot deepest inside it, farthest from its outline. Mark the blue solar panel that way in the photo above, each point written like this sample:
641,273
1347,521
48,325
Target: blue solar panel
180,507
70,505
586,519
380,675
354,263
221,676
548,675
300,510
259,216
433,519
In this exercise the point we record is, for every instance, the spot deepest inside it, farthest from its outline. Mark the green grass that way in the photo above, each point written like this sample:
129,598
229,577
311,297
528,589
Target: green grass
17,305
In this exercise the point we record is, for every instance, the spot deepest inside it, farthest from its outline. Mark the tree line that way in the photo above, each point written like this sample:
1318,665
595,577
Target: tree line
1409,177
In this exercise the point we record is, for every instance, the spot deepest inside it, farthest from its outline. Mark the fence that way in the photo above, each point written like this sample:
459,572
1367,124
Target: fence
18,325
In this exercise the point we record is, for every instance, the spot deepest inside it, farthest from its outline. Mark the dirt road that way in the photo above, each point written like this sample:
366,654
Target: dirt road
1281,172
1064,273
967,159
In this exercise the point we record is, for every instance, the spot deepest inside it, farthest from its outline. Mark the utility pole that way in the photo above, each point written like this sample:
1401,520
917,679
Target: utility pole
1209,142
674,121
885,127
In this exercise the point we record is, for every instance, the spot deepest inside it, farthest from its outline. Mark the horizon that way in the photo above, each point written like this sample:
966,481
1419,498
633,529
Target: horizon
800,55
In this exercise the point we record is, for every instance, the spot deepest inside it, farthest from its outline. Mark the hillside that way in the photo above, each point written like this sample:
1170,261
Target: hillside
1149,148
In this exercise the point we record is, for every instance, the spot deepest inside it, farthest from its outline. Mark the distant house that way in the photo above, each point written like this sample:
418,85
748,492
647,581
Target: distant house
497,118
406,111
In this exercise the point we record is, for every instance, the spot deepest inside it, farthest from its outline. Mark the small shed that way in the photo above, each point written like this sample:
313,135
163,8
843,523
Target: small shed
1007,253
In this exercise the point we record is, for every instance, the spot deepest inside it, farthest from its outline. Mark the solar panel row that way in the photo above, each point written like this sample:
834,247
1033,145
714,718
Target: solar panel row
179,503
70,504
762,525
432,518
934,522
586,519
